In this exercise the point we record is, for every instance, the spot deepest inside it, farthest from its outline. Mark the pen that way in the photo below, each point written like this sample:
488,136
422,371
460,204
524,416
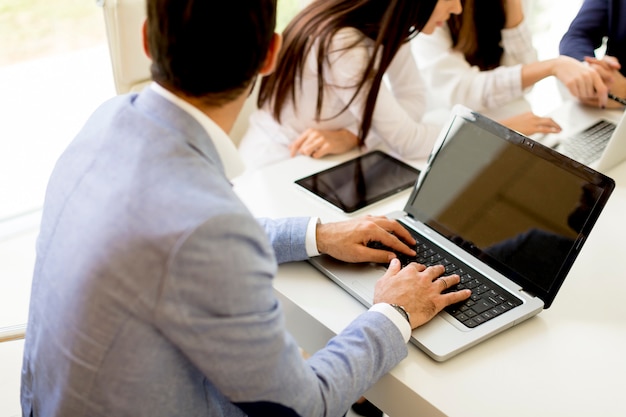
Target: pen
618,99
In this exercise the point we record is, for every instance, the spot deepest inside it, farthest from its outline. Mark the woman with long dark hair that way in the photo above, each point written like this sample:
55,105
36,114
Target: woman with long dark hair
345,78
484,58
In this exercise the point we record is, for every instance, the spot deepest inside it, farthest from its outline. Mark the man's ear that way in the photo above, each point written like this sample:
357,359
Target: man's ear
144,38
272,55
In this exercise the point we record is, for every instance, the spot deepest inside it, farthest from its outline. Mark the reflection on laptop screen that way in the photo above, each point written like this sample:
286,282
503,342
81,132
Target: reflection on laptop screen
520,214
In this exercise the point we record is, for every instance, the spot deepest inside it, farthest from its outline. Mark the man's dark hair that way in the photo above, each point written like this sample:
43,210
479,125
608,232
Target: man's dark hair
210,49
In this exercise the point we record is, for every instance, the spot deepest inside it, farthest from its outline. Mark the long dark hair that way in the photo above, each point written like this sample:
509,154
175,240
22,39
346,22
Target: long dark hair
389,23
477,33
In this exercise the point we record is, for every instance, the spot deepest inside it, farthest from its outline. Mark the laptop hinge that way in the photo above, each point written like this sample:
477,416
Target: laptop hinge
528,293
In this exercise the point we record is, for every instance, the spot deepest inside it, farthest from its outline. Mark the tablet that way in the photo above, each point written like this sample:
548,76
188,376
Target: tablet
359,182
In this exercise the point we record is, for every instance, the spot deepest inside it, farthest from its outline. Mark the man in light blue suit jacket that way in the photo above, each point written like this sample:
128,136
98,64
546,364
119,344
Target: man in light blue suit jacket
152,291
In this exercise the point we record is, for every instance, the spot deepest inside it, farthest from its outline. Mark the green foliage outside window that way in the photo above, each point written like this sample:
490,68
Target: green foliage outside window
286,10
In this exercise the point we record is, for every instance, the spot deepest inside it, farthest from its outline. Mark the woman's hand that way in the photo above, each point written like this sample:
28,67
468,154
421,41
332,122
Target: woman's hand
582,80
529,123
318,143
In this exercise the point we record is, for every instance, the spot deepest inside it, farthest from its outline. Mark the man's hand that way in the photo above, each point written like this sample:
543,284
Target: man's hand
606,67
318,143
347,240
418,289
609,69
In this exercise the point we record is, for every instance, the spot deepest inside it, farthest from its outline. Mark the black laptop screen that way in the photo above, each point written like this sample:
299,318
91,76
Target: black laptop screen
522,208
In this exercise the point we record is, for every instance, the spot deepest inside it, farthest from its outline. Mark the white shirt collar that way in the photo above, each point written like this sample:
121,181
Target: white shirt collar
228,153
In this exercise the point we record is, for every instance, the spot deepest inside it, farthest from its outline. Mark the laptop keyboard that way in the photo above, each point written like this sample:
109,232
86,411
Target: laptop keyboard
587,146
488,299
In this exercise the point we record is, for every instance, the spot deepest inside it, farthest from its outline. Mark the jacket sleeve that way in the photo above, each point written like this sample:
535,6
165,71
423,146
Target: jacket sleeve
587,30
218,307
287,237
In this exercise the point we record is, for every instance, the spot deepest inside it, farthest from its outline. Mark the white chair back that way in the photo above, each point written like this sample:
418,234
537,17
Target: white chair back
123,21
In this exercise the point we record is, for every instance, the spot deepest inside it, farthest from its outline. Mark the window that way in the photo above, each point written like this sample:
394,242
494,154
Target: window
286,10
54,71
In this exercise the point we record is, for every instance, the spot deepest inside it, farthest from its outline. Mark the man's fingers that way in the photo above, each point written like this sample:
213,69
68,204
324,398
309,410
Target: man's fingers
433,272
393,243
398,230
454,297
394,266
445,282
394,235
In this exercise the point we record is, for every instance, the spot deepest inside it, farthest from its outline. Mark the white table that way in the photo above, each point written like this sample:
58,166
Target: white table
568,361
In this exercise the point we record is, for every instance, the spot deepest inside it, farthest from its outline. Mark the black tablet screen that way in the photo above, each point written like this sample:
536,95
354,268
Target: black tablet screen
361,181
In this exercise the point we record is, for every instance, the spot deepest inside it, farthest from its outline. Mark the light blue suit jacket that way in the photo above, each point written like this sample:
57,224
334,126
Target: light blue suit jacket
152,291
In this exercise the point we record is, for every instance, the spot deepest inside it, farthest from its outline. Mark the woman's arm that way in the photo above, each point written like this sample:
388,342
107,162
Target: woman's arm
452,80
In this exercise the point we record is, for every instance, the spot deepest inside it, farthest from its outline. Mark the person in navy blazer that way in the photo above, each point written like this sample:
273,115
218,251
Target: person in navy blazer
595,21
152,290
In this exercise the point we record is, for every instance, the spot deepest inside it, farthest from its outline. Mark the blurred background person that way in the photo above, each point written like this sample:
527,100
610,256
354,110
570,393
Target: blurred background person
484,58
600,23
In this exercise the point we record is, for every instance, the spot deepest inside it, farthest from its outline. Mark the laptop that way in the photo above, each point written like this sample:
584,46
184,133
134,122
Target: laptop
505,213
596,140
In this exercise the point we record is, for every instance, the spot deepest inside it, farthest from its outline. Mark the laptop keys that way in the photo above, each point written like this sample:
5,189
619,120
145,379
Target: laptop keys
587,146
488,300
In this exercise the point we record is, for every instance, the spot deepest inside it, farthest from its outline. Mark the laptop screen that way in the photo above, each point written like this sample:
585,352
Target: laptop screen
520,207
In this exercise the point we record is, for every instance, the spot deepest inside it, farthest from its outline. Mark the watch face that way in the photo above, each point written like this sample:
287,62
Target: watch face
402,311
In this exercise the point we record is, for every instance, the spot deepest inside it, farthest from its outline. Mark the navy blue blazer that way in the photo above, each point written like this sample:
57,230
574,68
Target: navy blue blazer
595,20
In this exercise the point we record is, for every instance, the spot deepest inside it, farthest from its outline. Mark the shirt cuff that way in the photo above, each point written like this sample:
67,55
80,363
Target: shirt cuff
311,238
395,316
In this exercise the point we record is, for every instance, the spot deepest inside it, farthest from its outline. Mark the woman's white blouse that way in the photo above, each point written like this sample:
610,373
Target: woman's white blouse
452,80
397,119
